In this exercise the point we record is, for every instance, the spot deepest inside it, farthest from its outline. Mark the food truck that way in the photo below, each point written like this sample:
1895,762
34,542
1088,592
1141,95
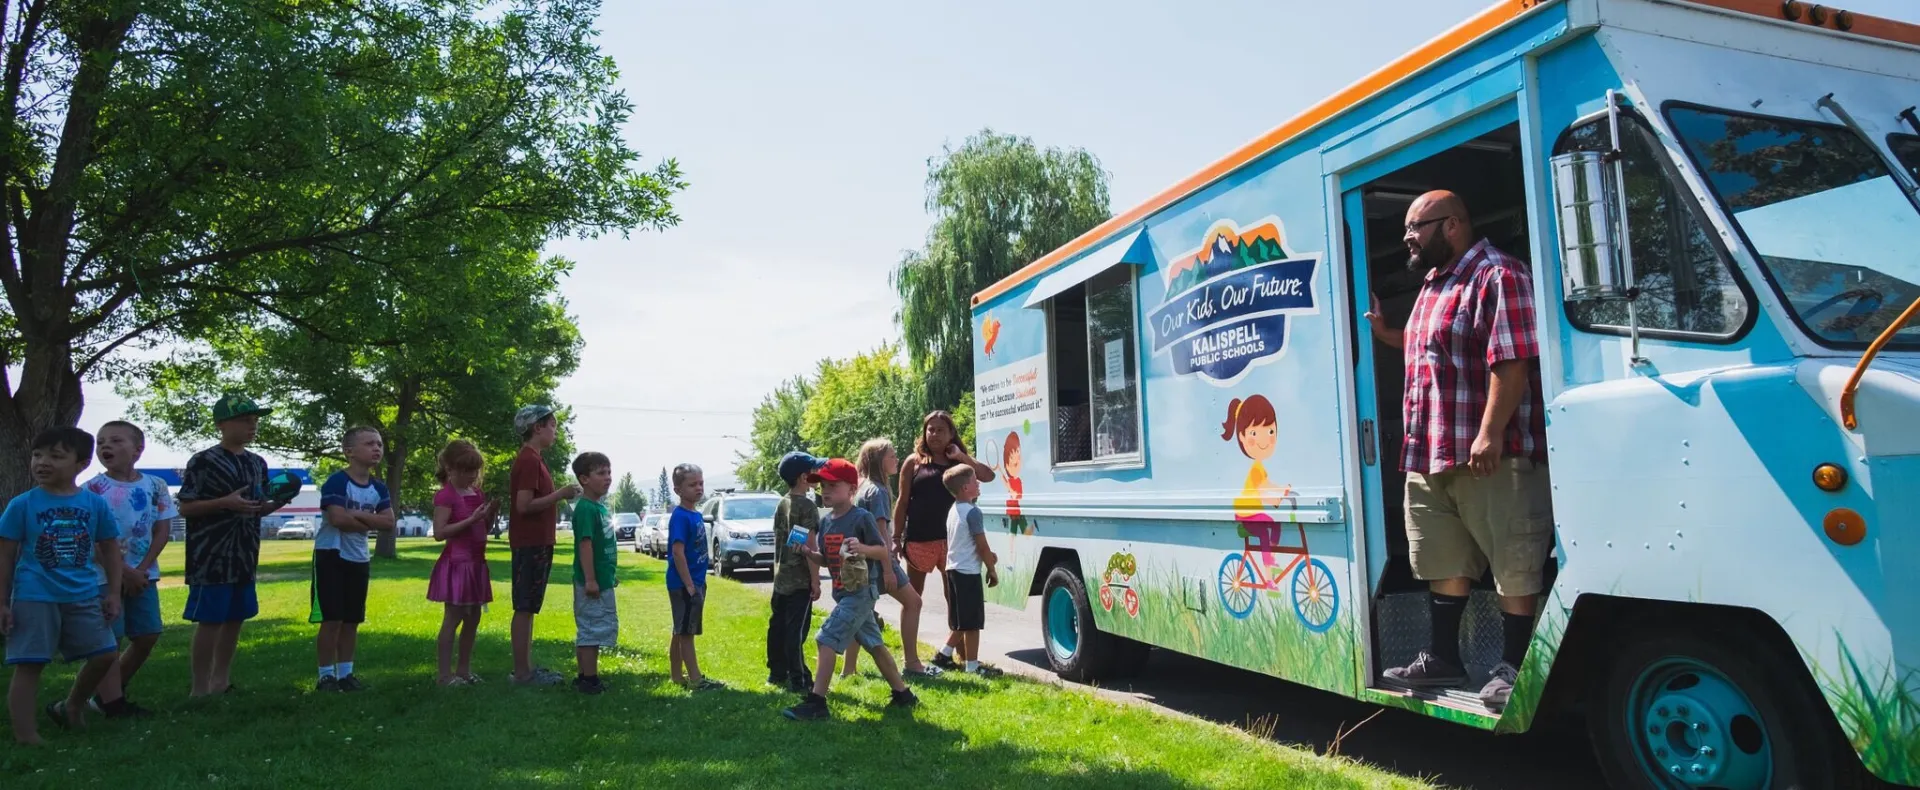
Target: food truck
1198,434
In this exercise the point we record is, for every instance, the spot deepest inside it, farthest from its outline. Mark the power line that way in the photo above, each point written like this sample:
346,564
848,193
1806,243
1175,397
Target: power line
658,411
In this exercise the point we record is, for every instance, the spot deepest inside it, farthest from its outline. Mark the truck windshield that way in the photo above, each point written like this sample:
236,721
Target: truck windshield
1836,236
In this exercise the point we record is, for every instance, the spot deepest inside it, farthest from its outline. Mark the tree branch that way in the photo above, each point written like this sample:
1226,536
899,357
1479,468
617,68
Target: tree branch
95,358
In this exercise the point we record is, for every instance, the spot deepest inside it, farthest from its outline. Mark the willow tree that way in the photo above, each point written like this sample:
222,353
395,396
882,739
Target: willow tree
998,202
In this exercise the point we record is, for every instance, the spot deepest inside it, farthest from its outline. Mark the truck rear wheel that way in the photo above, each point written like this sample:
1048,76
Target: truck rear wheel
1076,649
1686,710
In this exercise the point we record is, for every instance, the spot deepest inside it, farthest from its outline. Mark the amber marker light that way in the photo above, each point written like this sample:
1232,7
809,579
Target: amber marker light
1829,477
1845,527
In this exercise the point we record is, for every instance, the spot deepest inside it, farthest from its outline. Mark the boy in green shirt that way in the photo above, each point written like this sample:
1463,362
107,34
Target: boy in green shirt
596,558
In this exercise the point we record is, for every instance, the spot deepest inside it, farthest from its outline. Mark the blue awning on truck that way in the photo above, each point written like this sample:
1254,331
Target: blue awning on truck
1131,248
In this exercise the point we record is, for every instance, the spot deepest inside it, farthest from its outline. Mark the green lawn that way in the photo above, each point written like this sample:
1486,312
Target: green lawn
405,732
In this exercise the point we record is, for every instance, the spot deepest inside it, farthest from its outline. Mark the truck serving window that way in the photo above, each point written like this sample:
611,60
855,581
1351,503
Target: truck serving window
1822,213
1096,377
1687,287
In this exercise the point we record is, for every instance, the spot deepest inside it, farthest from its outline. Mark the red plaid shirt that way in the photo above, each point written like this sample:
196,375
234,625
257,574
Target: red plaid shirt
1469,317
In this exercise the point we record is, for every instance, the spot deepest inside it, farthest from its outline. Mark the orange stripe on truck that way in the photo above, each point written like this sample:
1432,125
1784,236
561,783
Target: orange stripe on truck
1443,45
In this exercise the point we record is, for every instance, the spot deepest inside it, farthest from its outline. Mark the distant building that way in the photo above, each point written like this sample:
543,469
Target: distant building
305,505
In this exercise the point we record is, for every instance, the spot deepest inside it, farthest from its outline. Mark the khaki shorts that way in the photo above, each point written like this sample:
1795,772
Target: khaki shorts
1458,524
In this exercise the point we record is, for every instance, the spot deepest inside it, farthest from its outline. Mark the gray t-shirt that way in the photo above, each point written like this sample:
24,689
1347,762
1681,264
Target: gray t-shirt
855,524
877,501
964,522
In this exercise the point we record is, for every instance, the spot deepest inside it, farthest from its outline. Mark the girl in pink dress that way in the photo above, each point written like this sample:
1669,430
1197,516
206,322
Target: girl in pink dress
461,516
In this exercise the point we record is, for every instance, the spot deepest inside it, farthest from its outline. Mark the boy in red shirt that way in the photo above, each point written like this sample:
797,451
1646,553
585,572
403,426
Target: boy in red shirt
531,522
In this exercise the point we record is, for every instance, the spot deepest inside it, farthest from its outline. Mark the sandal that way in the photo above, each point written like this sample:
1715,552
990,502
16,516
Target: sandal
57,711
709,684
927,671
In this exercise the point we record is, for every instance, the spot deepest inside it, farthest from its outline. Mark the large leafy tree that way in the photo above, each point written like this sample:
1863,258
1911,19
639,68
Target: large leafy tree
627,497
776,432
863,397
482,340
174,170
999,202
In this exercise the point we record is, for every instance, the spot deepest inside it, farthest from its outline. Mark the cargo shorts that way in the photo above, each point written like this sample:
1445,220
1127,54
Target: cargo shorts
1458,525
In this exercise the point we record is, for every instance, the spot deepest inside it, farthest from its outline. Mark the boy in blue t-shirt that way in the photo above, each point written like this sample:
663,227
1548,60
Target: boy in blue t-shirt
50,596
352,503
687,578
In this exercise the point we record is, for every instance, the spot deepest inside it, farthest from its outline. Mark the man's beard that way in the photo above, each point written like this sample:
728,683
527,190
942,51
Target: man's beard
1434,253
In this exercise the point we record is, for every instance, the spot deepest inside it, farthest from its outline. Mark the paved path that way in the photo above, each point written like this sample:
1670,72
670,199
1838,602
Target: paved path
1395,740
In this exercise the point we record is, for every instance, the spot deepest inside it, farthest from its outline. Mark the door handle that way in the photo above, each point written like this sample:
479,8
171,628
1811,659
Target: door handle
1369,455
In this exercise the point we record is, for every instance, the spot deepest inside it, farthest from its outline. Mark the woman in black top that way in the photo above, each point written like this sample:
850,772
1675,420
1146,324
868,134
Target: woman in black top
920,514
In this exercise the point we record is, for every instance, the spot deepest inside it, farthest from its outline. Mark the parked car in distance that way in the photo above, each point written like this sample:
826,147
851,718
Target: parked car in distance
740,524
651,538
295,529
624,525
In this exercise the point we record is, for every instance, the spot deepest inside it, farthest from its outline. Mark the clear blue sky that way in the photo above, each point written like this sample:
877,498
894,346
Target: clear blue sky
805,134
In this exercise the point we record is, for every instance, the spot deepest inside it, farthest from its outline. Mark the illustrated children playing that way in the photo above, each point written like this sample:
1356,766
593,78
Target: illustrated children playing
144,512
531,522
856,557
50,596
1253,423
687,577
878,463
222,497
796,577
596,561
352,503
967,554
461,581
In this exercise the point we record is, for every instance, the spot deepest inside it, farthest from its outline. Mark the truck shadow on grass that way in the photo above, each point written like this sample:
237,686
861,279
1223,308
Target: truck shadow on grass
1394,740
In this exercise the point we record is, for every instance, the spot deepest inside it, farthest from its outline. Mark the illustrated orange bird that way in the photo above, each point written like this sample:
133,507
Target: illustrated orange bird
990,329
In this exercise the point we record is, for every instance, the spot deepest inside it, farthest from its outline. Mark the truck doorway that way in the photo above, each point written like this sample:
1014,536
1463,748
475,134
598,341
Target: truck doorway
1487,173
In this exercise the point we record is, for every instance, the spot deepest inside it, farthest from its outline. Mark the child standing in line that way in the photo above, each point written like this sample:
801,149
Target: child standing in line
856,556
50,595
461,581
967,551
532,518
596,561
878,462
352,504
144,512
687,579
796,578
222,497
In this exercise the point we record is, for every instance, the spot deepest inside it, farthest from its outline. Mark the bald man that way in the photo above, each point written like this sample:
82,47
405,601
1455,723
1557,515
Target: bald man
1475,451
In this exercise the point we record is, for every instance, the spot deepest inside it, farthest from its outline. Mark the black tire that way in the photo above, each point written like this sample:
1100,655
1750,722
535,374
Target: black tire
1793,722
1092,658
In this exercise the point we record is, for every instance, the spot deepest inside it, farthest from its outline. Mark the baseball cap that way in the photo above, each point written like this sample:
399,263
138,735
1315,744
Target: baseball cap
838,470
233,405
795,464
529,416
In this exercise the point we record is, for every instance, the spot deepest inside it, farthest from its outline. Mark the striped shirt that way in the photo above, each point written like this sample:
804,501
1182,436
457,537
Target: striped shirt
1469,317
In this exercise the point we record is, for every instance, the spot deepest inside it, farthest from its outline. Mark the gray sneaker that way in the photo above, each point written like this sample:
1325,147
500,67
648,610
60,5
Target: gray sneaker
1426,672
1500,687
542,676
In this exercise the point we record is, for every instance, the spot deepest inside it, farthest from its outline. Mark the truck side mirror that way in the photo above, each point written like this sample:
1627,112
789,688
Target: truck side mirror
1592,228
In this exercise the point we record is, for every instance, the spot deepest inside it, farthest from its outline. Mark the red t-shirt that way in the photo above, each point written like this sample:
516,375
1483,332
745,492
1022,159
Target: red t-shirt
530,474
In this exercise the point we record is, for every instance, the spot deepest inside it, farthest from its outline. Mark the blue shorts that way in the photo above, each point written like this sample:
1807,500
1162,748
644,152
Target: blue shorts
139,614
221,603
852,620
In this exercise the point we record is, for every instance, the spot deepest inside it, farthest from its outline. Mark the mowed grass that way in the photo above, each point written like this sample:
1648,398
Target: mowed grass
406,732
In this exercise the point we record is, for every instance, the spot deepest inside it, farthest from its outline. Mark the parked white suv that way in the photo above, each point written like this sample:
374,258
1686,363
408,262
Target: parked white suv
740,525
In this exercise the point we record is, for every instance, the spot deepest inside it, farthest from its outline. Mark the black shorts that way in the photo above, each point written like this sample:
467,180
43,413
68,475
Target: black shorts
339,588
966,601
532,566
689,611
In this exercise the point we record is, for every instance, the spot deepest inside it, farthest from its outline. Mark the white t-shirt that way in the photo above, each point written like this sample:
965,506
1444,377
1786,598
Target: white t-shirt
963,522
138,507
342,491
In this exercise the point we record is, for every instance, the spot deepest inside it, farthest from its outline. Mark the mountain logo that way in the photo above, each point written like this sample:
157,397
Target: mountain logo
1228,300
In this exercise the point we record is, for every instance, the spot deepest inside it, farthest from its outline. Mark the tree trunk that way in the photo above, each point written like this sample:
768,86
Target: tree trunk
397,447
49,396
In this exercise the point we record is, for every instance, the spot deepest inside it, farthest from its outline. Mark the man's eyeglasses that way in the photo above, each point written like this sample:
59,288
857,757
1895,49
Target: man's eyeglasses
1414,227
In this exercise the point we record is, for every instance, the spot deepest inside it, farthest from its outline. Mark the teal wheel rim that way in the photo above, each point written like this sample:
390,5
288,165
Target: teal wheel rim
1063,627
1693,727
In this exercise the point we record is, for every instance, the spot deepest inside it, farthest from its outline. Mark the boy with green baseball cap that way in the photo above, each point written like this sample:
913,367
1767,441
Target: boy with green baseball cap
222,497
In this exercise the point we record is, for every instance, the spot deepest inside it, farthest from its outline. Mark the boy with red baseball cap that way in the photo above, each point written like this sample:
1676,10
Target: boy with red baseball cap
856,557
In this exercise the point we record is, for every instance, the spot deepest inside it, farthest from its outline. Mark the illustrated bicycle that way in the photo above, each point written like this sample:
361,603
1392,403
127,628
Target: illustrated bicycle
1245,574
